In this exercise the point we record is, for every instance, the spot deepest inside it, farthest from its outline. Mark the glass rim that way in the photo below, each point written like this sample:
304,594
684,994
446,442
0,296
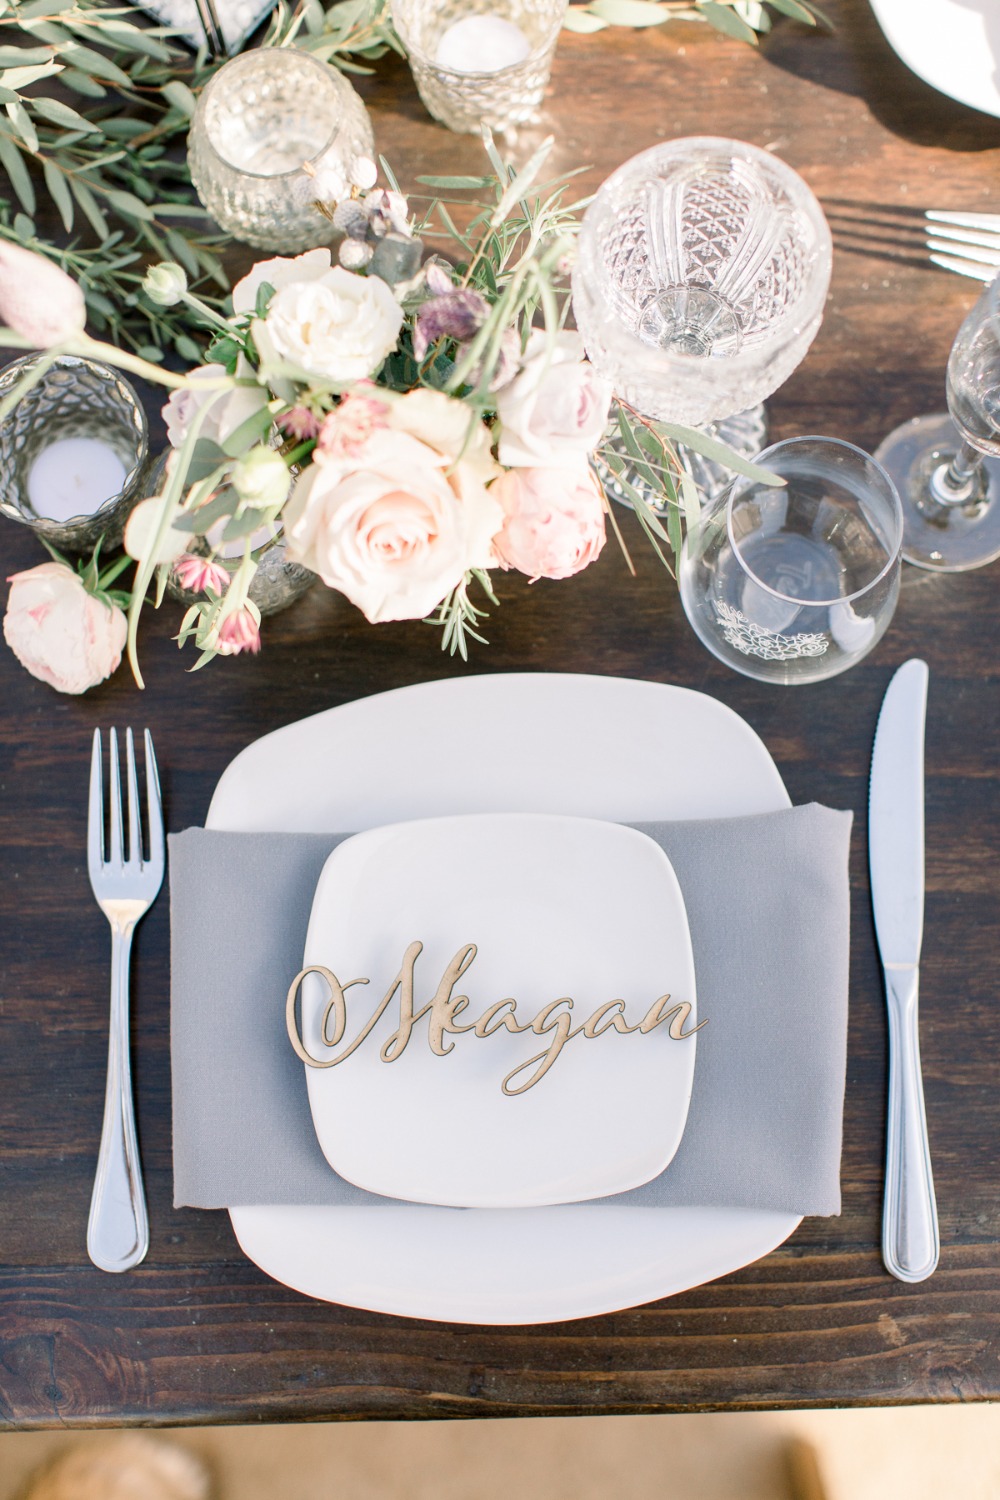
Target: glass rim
803,313
423,56
247,59
895,503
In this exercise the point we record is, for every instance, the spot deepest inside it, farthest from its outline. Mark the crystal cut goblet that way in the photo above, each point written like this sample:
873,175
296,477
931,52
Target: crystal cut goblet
701,276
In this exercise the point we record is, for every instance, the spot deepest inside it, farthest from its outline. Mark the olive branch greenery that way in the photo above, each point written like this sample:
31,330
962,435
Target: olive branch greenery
745,20
104,144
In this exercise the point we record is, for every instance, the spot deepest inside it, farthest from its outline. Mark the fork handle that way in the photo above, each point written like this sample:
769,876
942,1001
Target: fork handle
118,1228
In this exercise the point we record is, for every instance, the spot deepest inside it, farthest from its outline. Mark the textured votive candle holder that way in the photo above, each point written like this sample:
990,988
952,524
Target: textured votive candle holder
480,63
267,123
73,452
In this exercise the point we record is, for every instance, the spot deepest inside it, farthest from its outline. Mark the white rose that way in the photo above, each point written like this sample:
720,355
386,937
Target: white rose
62,634
281,271
338,328
228,409
448,426
393,527
556,408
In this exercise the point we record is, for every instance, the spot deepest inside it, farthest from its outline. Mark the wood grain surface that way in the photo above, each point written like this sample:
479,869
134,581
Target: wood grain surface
197,1333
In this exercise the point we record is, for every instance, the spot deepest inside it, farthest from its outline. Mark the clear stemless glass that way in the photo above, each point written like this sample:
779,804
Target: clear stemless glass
266,123
947,468
795,584
455,47
701,276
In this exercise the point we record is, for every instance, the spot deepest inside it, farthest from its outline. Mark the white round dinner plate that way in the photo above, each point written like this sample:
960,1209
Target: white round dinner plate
583,746
954,45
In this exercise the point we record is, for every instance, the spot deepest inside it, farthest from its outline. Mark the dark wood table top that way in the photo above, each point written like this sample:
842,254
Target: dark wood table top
197,1333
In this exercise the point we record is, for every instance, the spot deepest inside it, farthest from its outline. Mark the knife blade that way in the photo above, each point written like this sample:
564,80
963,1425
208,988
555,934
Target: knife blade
910,1239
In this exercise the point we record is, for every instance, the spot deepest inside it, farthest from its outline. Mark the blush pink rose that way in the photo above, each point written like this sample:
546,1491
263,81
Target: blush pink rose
37,299
62,634
555,409
554,520
397,525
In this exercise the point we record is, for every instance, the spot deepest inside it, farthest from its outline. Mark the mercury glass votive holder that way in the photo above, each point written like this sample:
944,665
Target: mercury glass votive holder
480,62
73,452
266,124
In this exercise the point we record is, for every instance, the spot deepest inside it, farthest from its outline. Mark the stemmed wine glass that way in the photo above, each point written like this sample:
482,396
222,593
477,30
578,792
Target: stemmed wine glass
701,275
947,468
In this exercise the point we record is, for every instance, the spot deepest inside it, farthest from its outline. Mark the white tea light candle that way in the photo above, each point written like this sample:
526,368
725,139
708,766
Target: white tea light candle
73,477
482,44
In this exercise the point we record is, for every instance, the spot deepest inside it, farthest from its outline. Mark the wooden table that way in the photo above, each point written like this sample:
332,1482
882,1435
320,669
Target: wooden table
197,1333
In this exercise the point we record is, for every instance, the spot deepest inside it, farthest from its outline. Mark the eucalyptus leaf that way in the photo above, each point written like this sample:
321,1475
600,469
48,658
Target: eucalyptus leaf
720,453
61,114
796,10
239,527
630,12
723,18
13,162
59,193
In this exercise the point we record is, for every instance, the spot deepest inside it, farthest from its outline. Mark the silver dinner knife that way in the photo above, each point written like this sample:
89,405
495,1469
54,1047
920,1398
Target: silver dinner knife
910,1242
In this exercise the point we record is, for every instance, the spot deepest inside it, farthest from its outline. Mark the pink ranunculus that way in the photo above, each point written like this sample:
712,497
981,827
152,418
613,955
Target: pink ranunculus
199,574
345,430
238,632
62,634
556,408
37,299
554,520
397,526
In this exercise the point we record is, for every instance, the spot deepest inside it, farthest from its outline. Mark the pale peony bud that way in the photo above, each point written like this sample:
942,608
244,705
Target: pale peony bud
165,284
60,632
38,300
261,478
140,534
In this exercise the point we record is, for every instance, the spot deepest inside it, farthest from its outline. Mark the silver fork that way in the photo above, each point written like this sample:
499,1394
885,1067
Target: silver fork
966,243
125,888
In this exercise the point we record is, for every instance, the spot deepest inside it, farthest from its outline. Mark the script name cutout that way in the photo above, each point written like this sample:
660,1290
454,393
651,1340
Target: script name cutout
554,1020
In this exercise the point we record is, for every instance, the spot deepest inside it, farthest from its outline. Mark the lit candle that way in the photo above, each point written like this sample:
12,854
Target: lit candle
482,44
74,477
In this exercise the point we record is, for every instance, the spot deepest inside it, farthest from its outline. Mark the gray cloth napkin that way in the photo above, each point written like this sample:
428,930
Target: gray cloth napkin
768,907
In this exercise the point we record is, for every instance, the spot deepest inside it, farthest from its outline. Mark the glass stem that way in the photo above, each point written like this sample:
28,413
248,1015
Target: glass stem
958,482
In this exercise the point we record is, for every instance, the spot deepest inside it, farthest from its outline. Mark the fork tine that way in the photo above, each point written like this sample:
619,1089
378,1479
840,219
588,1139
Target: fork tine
972,268
965,237
134,816
154,803
968,221
116,852
95,810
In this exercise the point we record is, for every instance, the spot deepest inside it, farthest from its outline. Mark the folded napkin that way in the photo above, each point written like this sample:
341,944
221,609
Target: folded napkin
768,908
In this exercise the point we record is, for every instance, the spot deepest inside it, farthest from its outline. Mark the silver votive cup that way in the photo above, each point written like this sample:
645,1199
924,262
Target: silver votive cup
467,100
75,398
265,125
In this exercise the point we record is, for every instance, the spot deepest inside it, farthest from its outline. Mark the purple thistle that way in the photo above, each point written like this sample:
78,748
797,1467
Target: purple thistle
457,315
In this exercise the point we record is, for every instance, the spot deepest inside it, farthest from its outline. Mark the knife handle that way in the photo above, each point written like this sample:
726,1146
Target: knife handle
910,1242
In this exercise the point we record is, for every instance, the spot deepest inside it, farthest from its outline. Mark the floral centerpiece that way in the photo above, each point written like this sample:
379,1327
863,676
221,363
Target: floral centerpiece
406,421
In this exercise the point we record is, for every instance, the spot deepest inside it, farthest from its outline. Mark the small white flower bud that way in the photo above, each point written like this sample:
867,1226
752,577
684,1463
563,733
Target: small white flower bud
165,284
261,477
354,254
364,173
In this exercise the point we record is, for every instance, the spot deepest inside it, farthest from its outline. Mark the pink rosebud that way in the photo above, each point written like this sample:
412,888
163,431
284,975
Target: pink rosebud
199,574
554,520
37,299
239,632
299,423
344,431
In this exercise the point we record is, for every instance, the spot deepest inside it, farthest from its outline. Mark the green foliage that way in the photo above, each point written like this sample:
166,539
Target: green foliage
742,19
95,111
